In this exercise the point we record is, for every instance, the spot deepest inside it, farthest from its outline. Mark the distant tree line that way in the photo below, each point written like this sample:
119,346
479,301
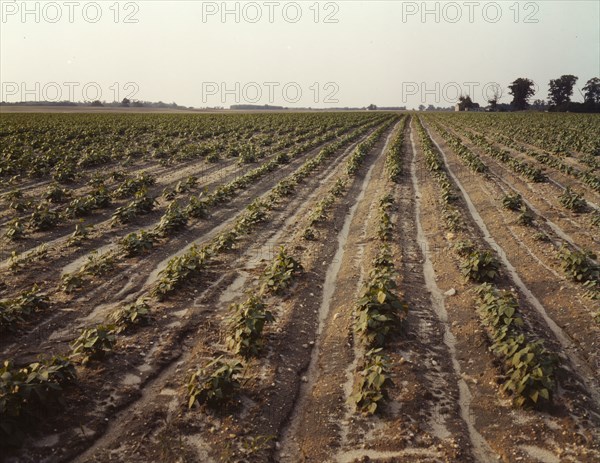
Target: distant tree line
559,95
125,103
250,107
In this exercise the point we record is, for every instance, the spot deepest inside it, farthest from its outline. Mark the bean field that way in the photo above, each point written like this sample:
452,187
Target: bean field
300,287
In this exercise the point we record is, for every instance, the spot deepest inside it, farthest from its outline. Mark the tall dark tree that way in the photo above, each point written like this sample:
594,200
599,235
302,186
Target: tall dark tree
465,102
592,91
521,90
561,89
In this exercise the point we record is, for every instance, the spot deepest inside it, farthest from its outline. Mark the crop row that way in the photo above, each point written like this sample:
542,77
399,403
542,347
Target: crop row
528,171
528,369
578,265
560,134
587,176
378,315
393,155
96,341
175,217
62,146
47,213
569,199
218,381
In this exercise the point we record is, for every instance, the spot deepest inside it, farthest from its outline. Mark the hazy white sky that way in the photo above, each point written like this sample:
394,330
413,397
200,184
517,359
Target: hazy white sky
306,53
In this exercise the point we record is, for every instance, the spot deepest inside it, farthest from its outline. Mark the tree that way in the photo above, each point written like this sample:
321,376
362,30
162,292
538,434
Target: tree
521,90
496,95
372,107
592,91
561,90
96,103
421,107
465,103
539,105
125,102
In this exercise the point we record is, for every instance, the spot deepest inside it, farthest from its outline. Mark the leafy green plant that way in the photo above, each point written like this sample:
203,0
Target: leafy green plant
338,187
525,218
142,204
256,212
132,186
130,315
179,269
464,248
70,282
529,368
93,343
213,157
252,446
173,219
197,208
282,158
215,383
29,301
246,326
42,218
386,227
183,186
28,393
573,201
64,172
280,274
13,195
19,262
319,212
100,197
512,202
224,241
480,266
360,152
80,234
373,380
579,265
17,201
98,265
137,243
453,218
14,310
80,207
379,310
530,376
284,188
